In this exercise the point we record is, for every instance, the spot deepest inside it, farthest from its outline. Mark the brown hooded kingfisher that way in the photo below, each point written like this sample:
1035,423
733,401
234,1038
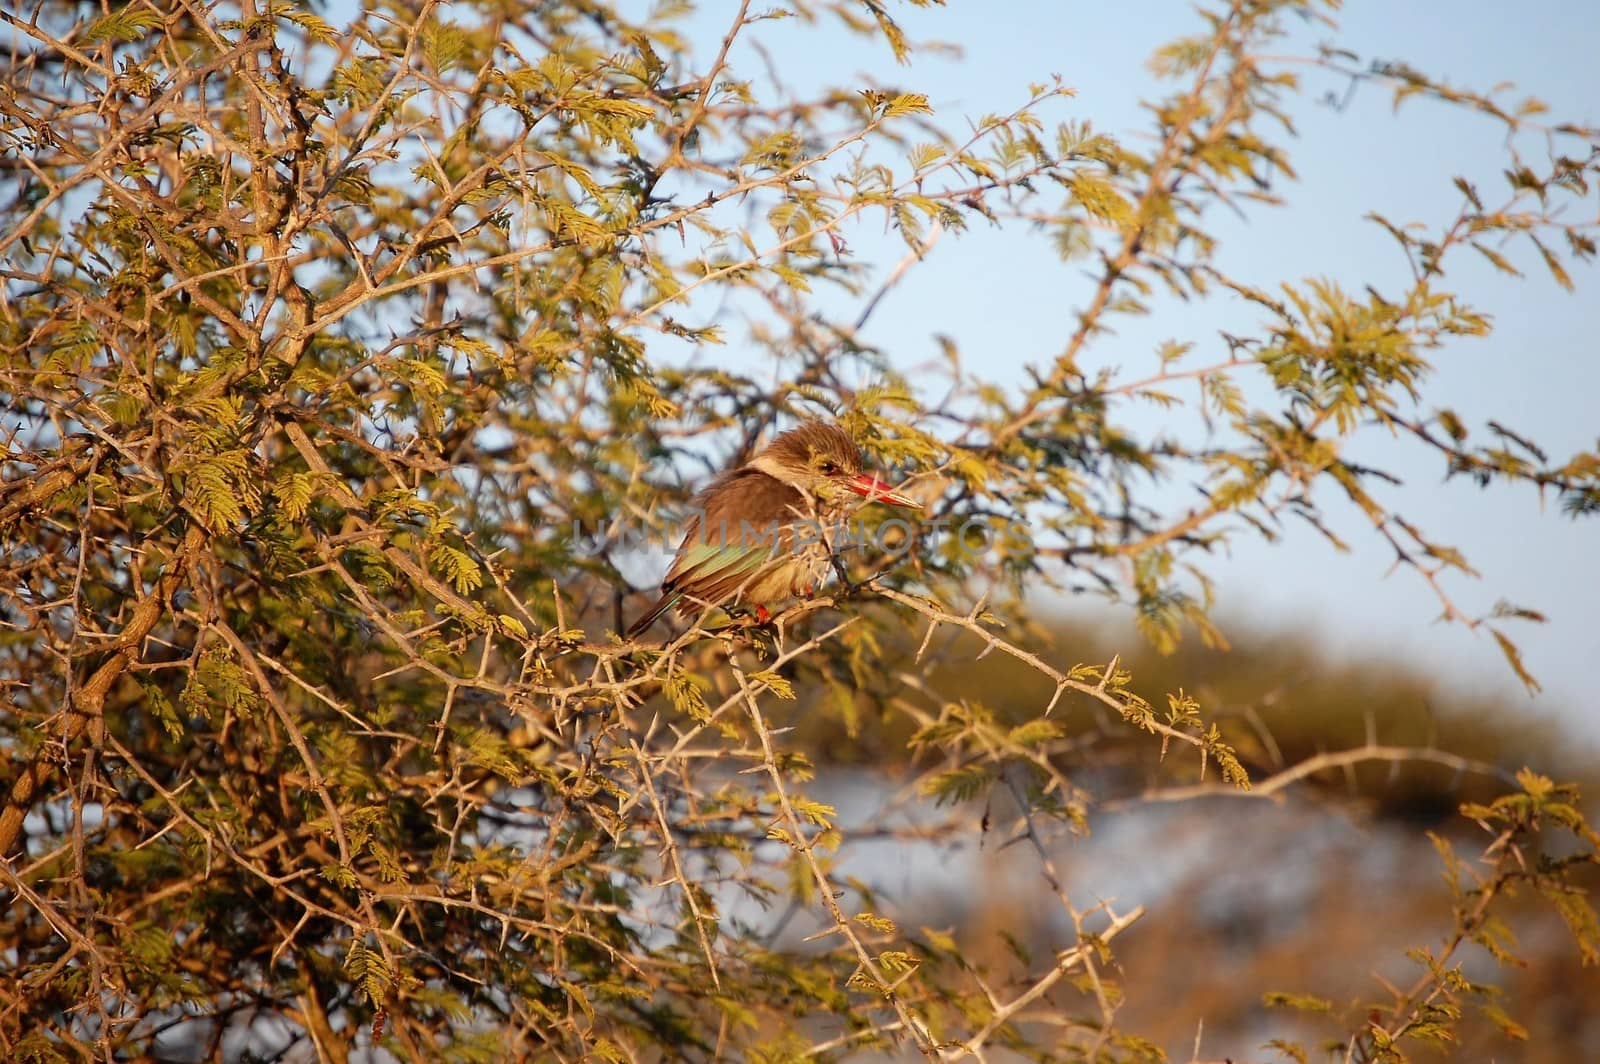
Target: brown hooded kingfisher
760,533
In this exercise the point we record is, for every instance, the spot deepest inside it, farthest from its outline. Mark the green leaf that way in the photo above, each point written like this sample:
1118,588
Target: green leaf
1277,999
774,683
958,785
908,103
1036,732
457,567
127,23
1513,657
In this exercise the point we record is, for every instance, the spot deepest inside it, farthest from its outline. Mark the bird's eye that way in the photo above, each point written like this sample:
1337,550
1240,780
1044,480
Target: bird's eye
828,468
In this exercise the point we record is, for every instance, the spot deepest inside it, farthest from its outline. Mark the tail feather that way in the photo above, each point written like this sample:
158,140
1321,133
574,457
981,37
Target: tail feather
663,604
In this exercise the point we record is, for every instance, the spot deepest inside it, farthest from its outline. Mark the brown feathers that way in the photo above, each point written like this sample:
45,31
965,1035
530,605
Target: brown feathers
763,533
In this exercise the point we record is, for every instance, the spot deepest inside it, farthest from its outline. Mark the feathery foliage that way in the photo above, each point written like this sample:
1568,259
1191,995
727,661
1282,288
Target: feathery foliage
339,346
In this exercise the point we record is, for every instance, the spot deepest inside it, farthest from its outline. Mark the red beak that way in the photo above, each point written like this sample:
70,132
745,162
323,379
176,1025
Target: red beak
874,490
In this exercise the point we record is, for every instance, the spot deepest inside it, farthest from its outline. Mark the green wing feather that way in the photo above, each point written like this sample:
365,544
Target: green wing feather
710,563
707,573
712,566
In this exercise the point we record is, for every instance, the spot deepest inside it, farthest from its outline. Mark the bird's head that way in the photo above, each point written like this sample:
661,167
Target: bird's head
821,460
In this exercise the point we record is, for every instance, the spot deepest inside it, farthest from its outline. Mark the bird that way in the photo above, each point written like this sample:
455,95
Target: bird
759,533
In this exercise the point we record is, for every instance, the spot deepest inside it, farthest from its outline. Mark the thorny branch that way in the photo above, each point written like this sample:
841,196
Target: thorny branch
322,348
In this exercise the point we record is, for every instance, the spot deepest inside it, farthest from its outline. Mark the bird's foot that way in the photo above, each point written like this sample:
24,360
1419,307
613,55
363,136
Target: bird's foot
761,636
759,627
749,623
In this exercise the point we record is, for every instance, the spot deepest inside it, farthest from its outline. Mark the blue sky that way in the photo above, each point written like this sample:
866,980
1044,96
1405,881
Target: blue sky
1005,296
